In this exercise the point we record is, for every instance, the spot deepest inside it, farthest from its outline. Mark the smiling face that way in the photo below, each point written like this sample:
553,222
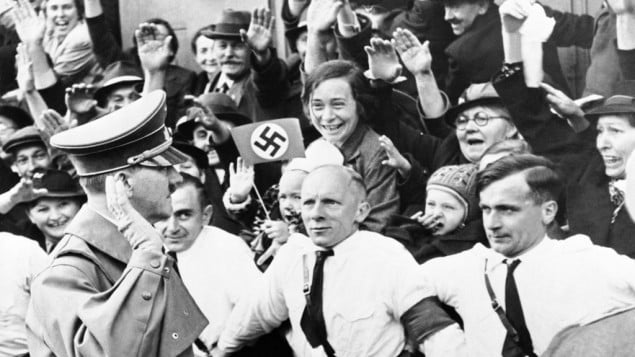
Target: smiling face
332,207
188,219
31,157
462,16
615,142
232,56
63,15
474,140
513,221
52,216
447,209
333,110
204,55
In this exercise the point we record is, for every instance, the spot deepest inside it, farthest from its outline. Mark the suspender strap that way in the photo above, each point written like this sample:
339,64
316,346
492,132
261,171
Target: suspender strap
502,315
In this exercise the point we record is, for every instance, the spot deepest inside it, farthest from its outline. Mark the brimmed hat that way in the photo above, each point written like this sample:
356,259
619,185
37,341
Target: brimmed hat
29,135
119,72
222,105
477,94
460,182
199,156
57,183
133,135
293,33
230,23
18,116
622,102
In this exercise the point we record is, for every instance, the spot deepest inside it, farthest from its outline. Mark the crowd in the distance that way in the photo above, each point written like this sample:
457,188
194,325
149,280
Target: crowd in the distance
445,127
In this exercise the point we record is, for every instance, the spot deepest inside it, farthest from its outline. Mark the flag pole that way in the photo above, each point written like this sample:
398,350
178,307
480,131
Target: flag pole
262,203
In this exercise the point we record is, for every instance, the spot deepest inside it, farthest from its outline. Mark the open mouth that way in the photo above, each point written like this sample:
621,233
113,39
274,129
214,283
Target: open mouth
475,141
330,129
611,161
61,23
57,224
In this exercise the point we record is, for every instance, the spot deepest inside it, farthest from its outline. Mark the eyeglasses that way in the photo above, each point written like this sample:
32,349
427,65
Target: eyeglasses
480,119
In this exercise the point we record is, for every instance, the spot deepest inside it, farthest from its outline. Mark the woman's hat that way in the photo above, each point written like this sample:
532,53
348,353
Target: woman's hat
477,94
57,183
622,102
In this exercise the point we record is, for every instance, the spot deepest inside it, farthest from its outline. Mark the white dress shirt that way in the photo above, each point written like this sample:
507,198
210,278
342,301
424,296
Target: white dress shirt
560,283
218,269
369,283
20,260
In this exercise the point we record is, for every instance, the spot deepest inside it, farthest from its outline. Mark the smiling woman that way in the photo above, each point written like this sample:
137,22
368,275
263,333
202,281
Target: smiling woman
53,211
336,97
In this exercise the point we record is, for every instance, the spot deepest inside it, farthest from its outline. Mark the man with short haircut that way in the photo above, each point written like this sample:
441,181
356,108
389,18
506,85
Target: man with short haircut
111,290
217,267
364,294
542,285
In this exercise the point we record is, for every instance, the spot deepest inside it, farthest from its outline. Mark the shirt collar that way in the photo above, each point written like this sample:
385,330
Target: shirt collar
350,148
101,233
222,79
347,245
495,259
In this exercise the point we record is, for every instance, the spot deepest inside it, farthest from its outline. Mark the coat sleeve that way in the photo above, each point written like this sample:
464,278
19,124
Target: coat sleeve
571,29
105,47
381,185
147,312
270,81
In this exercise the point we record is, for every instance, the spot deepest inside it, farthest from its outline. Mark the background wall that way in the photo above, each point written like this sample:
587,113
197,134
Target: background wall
187,16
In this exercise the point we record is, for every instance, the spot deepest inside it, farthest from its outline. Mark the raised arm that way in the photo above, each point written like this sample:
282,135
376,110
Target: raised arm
321,16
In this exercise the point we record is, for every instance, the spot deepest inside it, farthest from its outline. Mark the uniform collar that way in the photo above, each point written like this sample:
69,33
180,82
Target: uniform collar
100,233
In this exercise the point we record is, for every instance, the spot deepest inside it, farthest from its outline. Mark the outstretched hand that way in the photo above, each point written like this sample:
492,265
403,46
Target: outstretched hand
29,25
395,159
259,36
24,68
241,180
153,47
136,229
382,60
322,14
414,55
24,191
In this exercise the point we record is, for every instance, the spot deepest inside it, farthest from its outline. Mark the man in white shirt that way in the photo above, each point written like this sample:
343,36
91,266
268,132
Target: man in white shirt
216,267
542,285
346,292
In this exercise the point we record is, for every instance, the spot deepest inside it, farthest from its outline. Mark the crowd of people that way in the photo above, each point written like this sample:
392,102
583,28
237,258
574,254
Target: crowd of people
455,197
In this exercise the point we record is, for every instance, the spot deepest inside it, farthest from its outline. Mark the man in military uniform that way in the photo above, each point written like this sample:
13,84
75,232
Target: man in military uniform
111,290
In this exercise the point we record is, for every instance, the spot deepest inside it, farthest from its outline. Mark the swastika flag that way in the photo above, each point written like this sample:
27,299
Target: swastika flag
268,141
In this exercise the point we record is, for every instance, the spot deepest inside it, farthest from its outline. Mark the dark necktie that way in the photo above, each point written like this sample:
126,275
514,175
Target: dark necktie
312,321
222,89
514,313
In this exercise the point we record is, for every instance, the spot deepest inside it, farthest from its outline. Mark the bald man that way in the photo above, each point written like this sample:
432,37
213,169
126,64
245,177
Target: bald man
346,291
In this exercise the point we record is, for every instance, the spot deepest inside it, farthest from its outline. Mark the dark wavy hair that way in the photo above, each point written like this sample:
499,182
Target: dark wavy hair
348,71
541,175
